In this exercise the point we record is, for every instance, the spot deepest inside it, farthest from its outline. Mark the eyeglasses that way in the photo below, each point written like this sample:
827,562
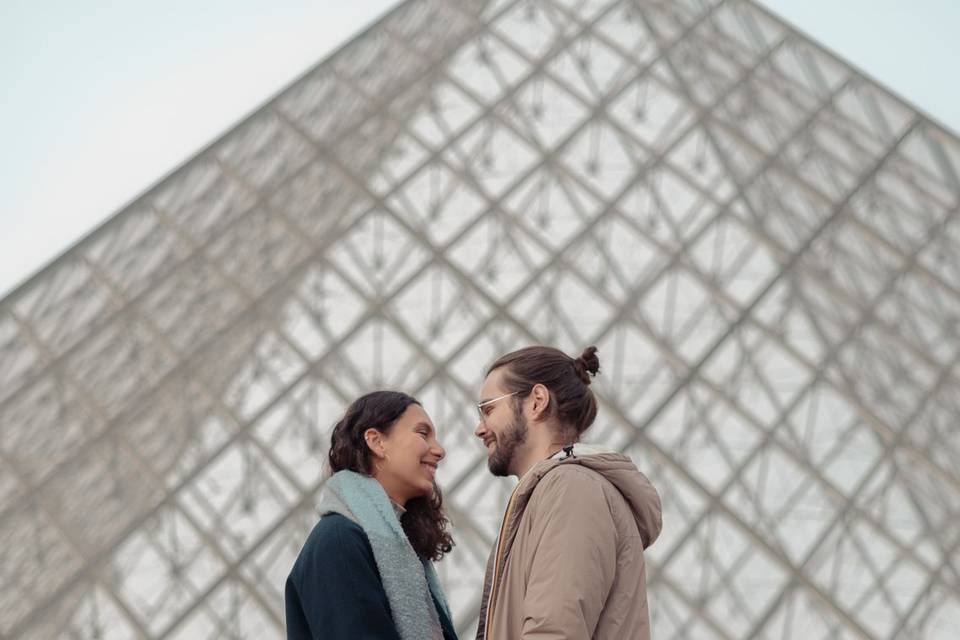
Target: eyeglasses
481,405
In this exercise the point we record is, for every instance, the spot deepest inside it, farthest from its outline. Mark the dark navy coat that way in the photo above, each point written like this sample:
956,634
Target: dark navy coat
334,591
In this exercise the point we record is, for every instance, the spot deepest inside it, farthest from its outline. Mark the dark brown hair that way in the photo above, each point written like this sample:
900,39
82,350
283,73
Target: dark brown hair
424,521
567,379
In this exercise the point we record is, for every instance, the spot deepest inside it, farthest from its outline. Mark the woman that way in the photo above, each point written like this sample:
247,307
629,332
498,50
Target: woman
366,569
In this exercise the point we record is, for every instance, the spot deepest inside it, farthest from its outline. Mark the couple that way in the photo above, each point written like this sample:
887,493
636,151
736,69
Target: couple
568,562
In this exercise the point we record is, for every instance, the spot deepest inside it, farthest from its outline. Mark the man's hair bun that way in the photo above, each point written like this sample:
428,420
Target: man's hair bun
588,364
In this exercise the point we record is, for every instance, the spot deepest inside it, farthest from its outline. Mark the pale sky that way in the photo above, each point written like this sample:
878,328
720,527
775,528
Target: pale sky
100,99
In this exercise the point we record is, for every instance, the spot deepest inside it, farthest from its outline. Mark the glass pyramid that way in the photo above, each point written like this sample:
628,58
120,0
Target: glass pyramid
762,242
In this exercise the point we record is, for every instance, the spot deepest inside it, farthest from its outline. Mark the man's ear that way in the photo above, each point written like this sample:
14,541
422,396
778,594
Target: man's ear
541,401
374,440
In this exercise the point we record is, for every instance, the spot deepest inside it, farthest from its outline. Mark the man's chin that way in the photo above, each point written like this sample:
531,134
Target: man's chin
497,467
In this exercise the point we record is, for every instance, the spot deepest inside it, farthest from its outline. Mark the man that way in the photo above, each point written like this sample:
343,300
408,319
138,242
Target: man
568,562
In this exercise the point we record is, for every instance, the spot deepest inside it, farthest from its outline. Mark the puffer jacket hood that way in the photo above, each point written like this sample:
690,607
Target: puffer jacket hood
622,473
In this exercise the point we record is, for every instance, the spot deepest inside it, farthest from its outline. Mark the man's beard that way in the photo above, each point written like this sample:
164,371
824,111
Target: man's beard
506,444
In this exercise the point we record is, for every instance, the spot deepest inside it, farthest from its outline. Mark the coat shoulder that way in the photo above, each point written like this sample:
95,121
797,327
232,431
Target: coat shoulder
573,478
569,485
334,540
334,528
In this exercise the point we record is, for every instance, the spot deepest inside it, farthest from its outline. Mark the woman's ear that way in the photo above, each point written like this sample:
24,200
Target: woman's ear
374,440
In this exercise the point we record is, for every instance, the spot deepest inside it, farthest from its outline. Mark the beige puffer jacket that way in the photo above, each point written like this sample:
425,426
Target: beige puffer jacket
569,559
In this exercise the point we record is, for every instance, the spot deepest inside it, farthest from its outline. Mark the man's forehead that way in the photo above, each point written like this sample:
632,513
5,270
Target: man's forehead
491,385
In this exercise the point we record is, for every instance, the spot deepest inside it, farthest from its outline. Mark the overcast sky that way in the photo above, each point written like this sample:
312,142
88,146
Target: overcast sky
100,99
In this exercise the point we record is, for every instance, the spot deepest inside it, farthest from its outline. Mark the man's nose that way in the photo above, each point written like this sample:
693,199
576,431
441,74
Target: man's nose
480,430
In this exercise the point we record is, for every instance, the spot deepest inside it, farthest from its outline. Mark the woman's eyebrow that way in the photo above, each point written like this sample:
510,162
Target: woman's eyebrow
424,424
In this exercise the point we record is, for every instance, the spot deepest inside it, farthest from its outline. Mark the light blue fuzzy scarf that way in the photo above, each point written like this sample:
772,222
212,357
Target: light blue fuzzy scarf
407,579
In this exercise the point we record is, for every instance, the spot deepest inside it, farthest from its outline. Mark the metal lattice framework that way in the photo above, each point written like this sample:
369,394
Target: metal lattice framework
762,242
